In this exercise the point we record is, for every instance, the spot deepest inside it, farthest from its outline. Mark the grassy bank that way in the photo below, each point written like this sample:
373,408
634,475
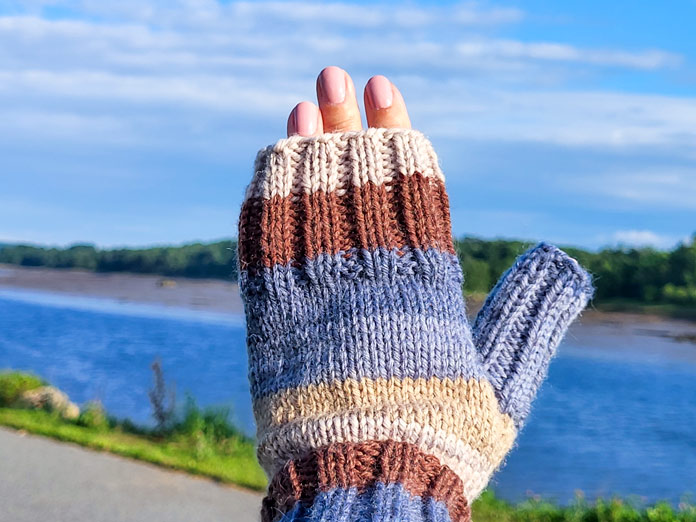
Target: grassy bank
202,442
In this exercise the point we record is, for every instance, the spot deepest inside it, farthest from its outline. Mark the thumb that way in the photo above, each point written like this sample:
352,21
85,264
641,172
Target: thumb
523,321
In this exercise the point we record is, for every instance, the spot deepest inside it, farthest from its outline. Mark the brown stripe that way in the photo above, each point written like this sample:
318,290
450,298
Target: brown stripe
410,211
362,466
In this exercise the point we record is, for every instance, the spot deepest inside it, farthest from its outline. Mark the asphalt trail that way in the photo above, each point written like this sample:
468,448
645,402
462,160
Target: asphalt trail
42,479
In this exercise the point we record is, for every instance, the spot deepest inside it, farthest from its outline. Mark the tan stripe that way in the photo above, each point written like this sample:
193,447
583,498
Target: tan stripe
458,421
452,405
334,162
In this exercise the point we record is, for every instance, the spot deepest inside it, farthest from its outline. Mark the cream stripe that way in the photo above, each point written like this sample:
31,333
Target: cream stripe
333,162
295,440
467,408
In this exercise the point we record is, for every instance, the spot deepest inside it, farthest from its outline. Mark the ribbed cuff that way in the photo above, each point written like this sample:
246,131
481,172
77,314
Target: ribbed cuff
340,192
365,468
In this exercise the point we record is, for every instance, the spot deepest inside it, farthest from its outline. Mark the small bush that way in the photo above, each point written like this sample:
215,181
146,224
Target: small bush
213,424
13,384
93,416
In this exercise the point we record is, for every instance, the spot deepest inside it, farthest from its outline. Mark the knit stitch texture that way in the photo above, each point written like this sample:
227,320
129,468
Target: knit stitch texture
373,397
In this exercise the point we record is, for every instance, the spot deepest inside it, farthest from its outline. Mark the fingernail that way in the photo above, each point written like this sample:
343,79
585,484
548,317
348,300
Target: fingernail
306,119
379,92
333,84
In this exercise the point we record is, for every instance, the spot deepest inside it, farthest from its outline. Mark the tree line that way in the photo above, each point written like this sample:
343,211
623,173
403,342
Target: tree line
644,275
210,260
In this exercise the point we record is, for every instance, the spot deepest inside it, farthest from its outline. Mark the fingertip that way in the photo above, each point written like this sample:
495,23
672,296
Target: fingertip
384,104
337,102
305,120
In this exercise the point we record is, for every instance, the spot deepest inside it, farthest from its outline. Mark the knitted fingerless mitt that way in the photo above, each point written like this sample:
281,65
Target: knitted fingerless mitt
374,399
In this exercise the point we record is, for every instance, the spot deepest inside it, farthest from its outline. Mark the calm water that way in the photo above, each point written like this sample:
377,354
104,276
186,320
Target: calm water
617,415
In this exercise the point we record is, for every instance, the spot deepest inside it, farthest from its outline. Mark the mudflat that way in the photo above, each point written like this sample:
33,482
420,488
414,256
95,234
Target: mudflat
215,295
211,295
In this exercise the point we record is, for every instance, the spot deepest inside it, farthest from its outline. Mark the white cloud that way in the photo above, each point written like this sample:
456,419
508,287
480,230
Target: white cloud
215,92
511,49
576,118
665,188
330,14
641,238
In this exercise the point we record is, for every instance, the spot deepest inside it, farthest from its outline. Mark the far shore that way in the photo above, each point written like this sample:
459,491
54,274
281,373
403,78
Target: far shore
209,295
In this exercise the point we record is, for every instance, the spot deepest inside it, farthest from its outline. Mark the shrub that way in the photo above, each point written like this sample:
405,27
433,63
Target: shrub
13,384
211,423
93,416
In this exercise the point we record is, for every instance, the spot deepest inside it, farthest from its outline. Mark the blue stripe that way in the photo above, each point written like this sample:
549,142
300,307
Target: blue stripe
369,315
383,503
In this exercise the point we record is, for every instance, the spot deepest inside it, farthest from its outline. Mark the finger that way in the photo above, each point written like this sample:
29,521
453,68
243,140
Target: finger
337,101
384,105
305,120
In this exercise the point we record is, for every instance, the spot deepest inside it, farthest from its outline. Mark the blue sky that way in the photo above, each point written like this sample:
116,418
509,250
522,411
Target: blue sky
136,122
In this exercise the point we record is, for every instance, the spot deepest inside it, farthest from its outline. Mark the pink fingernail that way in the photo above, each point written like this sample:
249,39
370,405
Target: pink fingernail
306,119
379,92
333,84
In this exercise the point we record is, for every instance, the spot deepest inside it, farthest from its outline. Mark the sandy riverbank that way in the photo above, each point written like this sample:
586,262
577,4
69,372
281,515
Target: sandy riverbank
200,294
215,295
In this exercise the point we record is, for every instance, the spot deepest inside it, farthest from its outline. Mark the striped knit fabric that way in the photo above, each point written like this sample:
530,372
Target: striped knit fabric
373,398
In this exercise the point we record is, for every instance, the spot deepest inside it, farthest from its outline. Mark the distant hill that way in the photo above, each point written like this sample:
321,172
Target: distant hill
639,275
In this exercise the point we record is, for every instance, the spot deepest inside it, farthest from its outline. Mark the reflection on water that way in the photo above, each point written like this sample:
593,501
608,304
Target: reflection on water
114,306
615,417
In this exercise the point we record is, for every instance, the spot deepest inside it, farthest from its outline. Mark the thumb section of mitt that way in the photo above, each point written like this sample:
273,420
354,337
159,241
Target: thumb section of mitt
523,321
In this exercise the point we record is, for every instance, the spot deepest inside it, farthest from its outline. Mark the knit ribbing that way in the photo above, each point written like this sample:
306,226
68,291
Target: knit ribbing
371,397
362,467
523,321
409,211
379,188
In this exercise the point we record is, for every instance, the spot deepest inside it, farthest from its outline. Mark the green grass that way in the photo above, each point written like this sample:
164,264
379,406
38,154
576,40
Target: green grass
488,508
231,461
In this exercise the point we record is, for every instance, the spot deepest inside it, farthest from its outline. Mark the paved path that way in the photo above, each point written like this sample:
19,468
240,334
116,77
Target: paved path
41,479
